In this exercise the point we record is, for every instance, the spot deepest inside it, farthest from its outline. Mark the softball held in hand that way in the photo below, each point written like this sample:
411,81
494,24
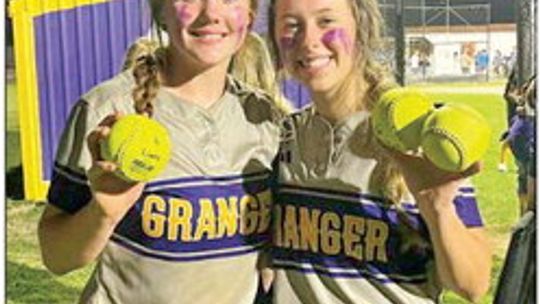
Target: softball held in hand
451,136
398,118
139,146
455,136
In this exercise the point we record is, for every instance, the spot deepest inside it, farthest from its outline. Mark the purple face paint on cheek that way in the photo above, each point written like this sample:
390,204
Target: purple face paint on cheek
286,46
338,36
183,15
240,21
286,43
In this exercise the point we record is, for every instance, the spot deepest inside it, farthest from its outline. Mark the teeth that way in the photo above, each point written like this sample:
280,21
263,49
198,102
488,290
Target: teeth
209,36
315,62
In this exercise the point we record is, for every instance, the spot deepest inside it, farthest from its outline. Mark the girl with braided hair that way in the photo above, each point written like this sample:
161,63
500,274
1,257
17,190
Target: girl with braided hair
195,233
354,222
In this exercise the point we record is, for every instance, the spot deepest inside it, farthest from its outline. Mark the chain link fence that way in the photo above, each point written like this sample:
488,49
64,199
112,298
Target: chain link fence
453,42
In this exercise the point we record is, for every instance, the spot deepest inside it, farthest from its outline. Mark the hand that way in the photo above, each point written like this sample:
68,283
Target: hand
426,182
111,194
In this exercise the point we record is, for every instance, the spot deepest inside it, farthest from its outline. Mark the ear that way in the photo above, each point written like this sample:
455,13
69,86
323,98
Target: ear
251,21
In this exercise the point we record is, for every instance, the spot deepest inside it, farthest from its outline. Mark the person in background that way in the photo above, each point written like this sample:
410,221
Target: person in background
354,222
511,95
531,101
518,140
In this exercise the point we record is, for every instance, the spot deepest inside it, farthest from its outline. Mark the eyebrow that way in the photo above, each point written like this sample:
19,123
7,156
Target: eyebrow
317,12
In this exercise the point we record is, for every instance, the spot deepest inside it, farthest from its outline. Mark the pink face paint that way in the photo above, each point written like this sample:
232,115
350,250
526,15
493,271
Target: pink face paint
240,21
183,14
338,36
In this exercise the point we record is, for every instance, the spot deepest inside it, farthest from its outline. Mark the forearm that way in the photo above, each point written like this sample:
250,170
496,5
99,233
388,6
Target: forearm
69,242
462,257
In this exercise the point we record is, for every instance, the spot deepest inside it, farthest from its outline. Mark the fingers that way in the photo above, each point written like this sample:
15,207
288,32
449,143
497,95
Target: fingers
99,168
109,120
472,170
99,134
94,140
422,172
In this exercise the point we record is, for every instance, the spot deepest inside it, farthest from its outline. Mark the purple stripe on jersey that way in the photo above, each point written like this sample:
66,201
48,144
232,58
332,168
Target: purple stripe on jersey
407,263
357,195
467,210
372,203
209,256
206,178
466,206
367,196
67,194
466,189
199,218
337,274
356,235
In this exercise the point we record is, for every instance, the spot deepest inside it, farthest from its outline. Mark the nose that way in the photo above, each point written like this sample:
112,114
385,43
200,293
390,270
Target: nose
210,10
311,37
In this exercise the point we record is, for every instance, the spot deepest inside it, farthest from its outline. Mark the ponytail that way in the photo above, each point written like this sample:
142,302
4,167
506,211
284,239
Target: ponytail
144,59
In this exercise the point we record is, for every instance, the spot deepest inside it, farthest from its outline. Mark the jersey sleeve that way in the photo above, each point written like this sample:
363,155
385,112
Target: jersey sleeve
467,206
69,189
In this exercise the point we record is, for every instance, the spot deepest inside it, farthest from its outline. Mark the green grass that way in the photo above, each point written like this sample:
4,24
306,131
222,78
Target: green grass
28,282
13,157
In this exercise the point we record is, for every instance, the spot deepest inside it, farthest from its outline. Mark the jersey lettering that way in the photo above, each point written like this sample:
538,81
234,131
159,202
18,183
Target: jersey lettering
316,230
222,217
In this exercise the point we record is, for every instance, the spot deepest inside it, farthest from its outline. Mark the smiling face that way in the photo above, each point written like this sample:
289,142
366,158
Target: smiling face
207,32
316,41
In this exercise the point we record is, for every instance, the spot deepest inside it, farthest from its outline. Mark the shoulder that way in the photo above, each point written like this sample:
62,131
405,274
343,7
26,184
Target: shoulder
258,105
110,94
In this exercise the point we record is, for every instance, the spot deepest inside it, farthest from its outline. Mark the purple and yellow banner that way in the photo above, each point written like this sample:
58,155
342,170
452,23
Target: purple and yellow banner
62,49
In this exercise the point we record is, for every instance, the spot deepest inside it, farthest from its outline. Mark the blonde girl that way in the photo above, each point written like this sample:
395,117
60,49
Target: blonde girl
354,222
194,234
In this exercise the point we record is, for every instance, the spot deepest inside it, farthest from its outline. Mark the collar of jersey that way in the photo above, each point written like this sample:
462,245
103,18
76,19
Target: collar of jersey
187,109
344,126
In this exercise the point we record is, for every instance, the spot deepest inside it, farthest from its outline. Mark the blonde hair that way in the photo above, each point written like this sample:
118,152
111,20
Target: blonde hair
253,65
367,71
140,48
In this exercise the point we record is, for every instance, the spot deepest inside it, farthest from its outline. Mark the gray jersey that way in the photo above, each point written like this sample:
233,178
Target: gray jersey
195,234
334,240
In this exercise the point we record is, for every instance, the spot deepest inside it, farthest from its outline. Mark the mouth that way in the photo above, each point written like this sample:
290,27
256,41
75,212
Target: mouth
208,36
314,64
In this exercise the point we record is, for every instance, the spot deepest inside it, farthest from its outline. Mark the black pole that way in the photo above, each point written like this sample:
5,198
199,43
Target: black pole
400,43
525,49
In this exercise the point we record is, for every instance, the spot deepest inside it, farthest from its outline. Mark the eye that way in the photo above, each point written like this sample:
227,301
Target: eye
326,21
290,27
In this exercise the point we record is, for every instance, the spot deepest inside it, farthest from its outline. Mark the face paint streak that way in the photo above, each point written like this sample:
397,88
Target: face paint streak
338,36
183,15
240,23
286,43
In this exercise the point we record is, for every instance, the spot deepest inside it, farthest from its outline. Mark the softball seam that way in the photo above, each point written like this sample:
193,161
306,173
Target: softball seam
452,138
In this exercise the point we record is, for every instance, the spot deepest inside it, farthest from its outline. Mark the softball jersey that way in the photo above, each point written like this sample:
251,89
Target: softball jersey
334,240
195,234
